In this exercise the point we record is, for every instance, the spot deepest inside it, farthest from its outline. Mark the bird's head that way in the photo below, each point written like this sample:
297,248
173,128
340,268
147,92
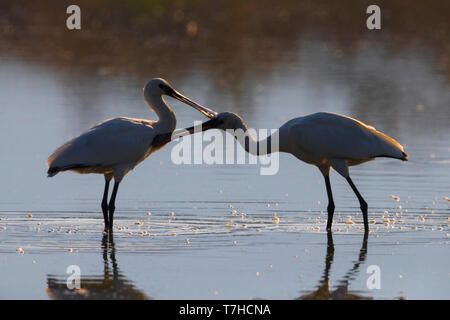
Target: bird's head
158,87
223,121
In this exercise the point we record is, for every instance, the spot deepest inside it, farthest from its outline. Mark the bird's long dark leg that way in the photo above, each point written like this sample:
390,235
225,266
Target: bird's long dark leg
330,207
362,203
112,206
105,202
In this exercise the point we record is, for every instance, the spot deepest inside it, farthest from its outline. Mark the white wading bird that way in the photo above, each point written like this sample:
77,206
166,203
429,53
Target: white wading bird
116,146
322,139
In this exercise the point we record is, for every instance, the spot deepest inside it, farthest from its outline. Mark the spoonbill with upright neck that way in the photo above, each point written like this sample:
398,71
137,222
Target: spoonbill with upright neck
116,146
326,140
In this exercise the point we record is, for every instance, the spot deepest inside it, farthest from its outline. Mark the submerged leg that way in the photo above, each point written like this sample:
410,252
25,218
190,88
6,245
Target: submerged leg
330,207
105,201
362,203
112,206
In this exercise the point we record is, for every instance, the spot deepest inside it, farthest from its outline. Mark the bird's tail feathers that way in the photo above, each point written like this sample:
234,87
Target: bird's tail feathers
391,148
53,171
405,156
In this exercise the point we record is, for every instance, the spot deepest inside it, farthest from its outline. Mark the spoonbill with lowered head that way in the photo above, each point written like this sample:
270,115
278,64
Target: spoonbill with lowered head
326,140
116,146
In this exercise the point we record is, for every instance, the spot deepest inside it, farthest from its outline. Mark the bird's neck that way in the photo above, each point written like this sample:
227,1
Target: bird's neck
167,120
250,144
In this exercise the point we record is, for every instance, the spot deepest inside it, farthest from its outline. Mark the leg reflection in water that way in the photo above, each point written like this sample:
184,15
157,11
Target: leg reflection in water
341,293
112,284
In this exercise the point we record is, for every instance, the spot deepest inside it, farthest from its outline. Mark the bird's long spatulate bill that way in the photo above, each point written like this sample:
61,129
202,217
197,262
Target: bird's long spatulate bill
207,112
186,131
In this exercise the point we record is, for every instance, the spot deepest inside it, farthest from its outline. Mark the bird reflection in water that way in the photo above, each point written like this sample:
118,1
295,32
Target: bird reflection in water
111,285
341,293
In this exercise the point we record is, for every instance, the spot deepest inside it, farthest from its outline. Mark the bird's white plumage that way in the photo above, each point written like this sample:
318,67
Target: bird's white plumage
323,139
325,136
116,145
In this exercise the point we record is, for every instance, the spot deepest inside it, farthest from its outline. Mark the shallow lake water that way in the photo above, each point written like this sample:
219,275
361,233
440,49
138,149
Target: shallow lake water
191,245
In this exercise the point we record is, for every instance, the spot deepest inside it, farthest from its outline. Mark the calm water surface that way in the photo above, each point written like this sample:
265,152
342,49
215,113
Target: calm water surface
202,251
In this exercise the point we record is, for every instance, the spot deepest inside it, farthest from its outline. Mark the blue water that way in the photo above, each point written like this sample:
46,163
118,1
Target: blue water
203,251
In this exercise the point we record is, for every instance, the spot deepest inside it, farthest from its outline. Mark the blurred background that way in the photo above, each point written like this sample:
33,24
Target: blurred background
269,61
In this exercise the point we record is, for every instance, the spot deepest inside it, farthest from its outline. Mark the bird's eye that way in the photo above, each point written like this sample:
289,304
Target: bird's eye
161,86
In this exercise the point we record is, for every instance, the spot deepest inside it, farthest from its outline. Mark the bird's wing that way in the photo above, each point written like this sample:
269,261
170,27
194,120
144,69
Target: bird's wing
331,135
112,142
